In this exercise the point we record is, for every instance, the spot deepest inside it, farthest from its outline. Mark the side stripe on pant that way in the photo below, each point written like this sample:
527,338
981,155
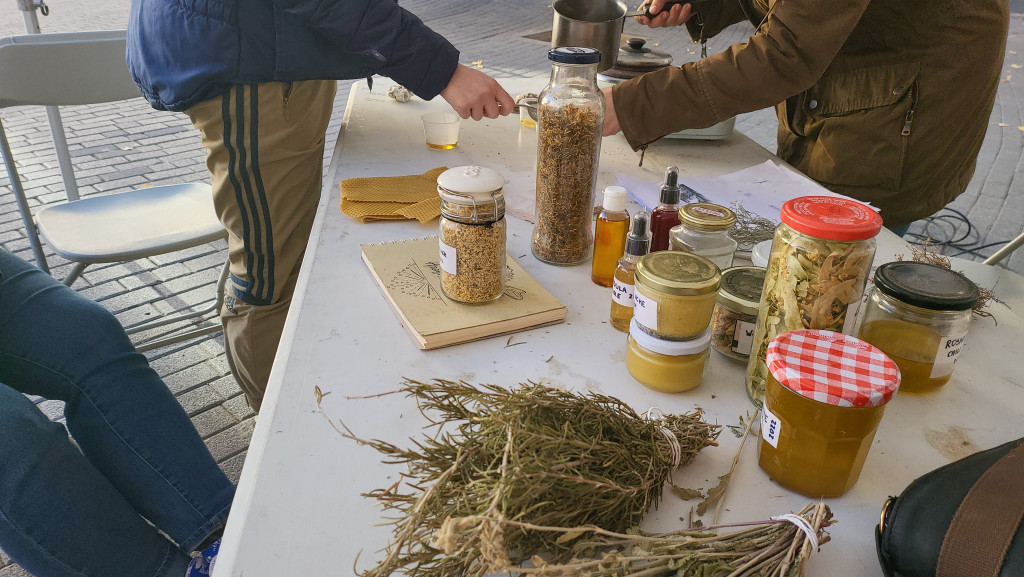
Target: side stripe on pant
250,194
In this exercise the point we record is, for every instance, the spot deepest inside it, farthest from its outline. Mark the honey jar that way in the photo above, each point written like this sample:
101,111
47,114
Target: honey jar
825,396
674,294
666,366
918,314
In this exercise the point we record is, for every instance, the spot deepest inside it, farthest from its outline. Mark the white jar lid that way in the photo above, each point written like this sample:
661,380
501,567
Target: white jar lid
671,348
760,253
479,182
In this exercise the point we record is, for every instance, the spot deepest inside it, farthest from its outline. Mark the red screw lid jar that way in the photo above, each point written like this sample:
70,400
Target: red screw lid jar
819,264
825,396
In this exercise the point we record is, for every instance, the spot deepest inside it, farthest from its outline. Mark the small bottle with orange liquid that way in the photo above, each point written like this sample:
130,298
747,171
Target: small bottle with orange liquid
609,235
637,244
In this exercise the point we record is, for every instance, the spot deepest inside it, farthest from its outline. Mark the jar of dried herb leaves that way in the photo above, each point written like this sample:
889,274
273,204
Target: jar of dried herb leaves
570,112
732,322
819,264
472,242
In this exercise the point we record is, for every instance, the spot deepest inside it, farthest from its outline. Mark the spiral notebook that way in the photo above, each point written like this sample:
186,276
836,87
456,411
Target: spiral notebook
408,273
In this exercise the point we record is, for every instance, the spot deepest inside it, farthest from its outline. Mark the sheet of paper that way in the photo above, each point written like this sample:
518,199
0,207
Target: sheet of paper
761,189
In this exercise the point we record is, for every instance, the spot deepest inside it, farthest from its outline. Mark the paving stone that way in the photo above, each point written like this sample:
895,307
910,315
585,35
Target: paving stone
230,442
199,399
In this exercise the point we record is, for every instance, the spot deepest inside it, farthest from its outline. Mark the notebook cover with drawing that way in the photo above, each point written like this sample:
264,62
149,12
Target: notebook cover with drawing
409,275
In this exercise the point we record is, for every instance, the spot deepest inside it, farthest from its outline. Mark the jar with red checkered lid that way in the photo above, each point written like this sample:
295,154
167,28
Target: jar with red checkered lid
825,396
819,264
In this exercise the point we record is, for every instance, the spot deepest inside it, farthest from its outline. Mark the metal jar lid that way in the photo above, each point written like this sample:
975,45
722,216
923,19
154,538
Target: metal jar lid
706,216
831,218
741,288
678,273
472,193
927,286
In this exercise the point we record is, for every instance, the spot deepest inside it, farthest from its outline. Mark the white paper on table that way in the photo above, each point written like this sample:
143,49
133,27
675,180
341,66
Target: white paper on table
761,189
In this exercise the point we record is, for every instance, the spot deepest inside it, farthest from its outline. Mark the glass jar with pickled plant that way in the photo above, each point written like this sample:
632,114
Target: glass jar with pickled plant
704,229
570,112
674,294
472,240
819,264
826,393
918,314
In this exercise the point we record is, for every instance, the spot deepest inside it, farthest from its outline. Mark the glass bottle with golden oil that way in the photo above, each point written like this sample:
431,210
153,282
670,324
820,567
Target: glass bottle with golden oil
638,242
609,235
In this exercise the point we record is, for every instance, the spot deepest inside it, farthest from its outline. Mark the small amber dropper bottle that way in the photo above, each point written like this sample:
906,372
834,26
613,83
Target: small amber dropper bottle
666,215
637,243
609,235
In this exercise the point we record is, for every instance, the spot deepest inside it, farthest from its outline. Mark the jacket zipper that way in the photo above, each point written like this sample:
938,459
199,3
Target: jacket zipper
908,119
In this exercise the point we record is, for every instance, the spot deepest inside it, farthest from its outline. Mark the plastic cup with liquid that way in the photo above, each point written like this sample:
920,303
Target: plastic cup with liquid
441,130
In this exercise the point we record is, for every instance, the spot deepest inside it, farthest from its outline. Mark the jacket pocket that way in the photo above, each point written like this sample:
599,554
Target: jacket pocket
859,124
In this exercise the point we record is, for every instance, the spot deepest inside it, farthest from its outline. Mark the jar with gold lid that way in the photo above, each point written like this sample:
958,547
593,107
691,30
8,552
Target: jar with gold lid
919,314
704,229
472,234
819,263
732,322
825,396
674,294
666,366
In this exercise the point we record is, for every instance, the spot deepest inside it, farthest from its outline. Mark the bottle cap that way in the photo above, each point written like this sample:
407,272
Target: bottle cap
741,288
927,286
707,216
574,55
670,190
638,241
614,199
831,218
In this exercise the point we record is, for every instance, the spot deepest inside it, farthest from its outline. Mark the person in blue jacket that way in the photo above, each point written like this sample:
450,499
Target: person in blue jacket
135,492
258,79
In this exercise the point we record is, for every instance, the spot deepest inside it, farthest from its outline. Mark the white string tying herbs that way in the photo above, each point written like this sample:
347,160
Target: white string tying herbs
655,414
802,524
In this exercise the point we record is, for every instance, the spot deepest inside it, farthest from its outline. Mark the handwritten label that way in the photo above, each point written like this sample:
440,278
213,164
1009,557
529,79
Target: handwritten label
743,338
947,354
622,293
449,258
645,310
771,426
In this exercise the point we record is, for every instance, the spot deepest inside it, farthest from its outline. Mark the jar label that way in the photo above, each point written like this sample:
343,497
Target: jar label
645,310
771,426
948,353
852,310
743,337
448,258
622,293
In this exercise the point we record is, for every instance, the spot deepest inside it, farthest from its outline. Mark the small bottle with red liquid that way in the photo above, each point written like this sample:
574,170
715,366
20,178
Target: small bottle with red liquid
666,214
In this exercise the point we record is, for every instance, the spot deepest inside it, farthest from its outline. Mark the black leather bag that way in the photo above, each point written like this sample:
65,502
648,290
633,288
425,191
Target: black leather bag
960,520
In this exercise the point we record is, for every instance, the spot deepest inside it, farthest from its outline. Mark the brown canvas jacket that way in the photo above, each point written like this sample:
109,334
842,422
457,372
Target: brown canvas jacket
886,101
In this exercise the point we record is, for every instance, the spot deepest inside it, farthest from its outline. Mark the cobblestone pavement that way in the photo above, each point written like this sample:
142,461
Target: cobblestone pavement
128,144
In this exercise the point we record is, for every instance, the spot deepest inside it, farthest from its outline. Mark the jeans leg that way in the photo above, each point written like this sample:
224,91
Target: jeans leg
60,345
59,516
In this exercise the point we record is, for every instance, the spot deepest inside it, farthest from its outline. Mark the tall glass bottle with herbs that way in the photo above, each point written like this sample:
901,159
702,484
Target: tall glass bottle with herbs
638,241
819,264
570,112
666,214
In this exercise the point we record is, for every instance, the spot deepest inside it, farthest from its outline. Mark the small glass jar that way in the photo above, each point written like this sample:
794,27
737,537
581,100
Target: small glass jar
472,240
918,314
570,113
826,393
704,229
732,322
674,294
666,366
819,264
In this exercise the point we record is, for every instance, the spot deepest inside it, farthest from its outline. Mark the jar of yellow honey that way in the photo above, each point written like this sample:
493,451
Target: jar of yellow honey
674,294
666,366
825,396
918,314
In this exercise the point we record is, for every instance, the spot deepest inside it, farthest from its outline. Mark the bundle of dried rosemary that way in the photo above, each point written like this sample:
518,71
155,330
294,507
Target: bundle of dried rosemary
777,547
534,456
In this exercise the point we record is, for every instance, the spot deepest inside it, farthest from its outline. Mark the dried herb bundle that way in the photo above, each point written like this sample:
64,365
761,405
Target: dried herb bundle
532,455
750,228
772,548
569,144
927,255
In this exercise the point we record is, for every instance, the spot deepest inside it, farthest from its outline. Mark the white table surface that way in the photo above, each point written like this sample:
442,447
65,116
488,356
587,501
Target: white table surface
298,510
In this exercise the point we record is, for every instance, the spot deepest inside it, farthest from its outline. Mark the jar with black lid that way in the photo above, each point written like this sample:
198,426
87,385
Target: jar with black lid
919,314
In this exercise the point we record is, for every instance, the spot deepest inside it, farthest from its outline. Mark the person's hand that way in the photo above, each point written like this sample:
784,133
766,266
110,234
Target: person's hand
611,120
475,94
675,15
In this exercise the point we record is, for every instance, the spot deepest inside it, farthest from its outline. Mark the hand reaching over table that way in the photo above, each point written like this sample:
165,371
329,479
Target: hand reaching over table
475,94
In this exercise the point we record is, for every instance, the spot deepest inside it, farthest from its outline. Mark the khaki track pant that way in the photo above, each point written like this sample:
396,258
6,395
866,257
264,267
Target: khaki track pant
264,149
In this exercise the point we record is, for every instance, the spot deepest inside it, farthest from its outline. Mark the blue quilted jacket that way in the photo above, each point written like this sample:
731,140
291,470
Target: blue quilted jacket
181,52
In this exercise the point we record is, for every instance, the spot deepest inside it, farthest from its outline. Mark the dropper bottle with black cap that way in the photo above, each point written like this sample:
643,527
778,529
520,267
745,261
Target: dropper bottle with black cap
638,241
666,215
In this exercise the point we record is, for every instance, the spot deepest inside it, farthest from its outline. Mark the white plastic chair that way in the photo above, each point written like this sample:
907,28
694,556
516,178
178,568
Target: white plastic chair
89,68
